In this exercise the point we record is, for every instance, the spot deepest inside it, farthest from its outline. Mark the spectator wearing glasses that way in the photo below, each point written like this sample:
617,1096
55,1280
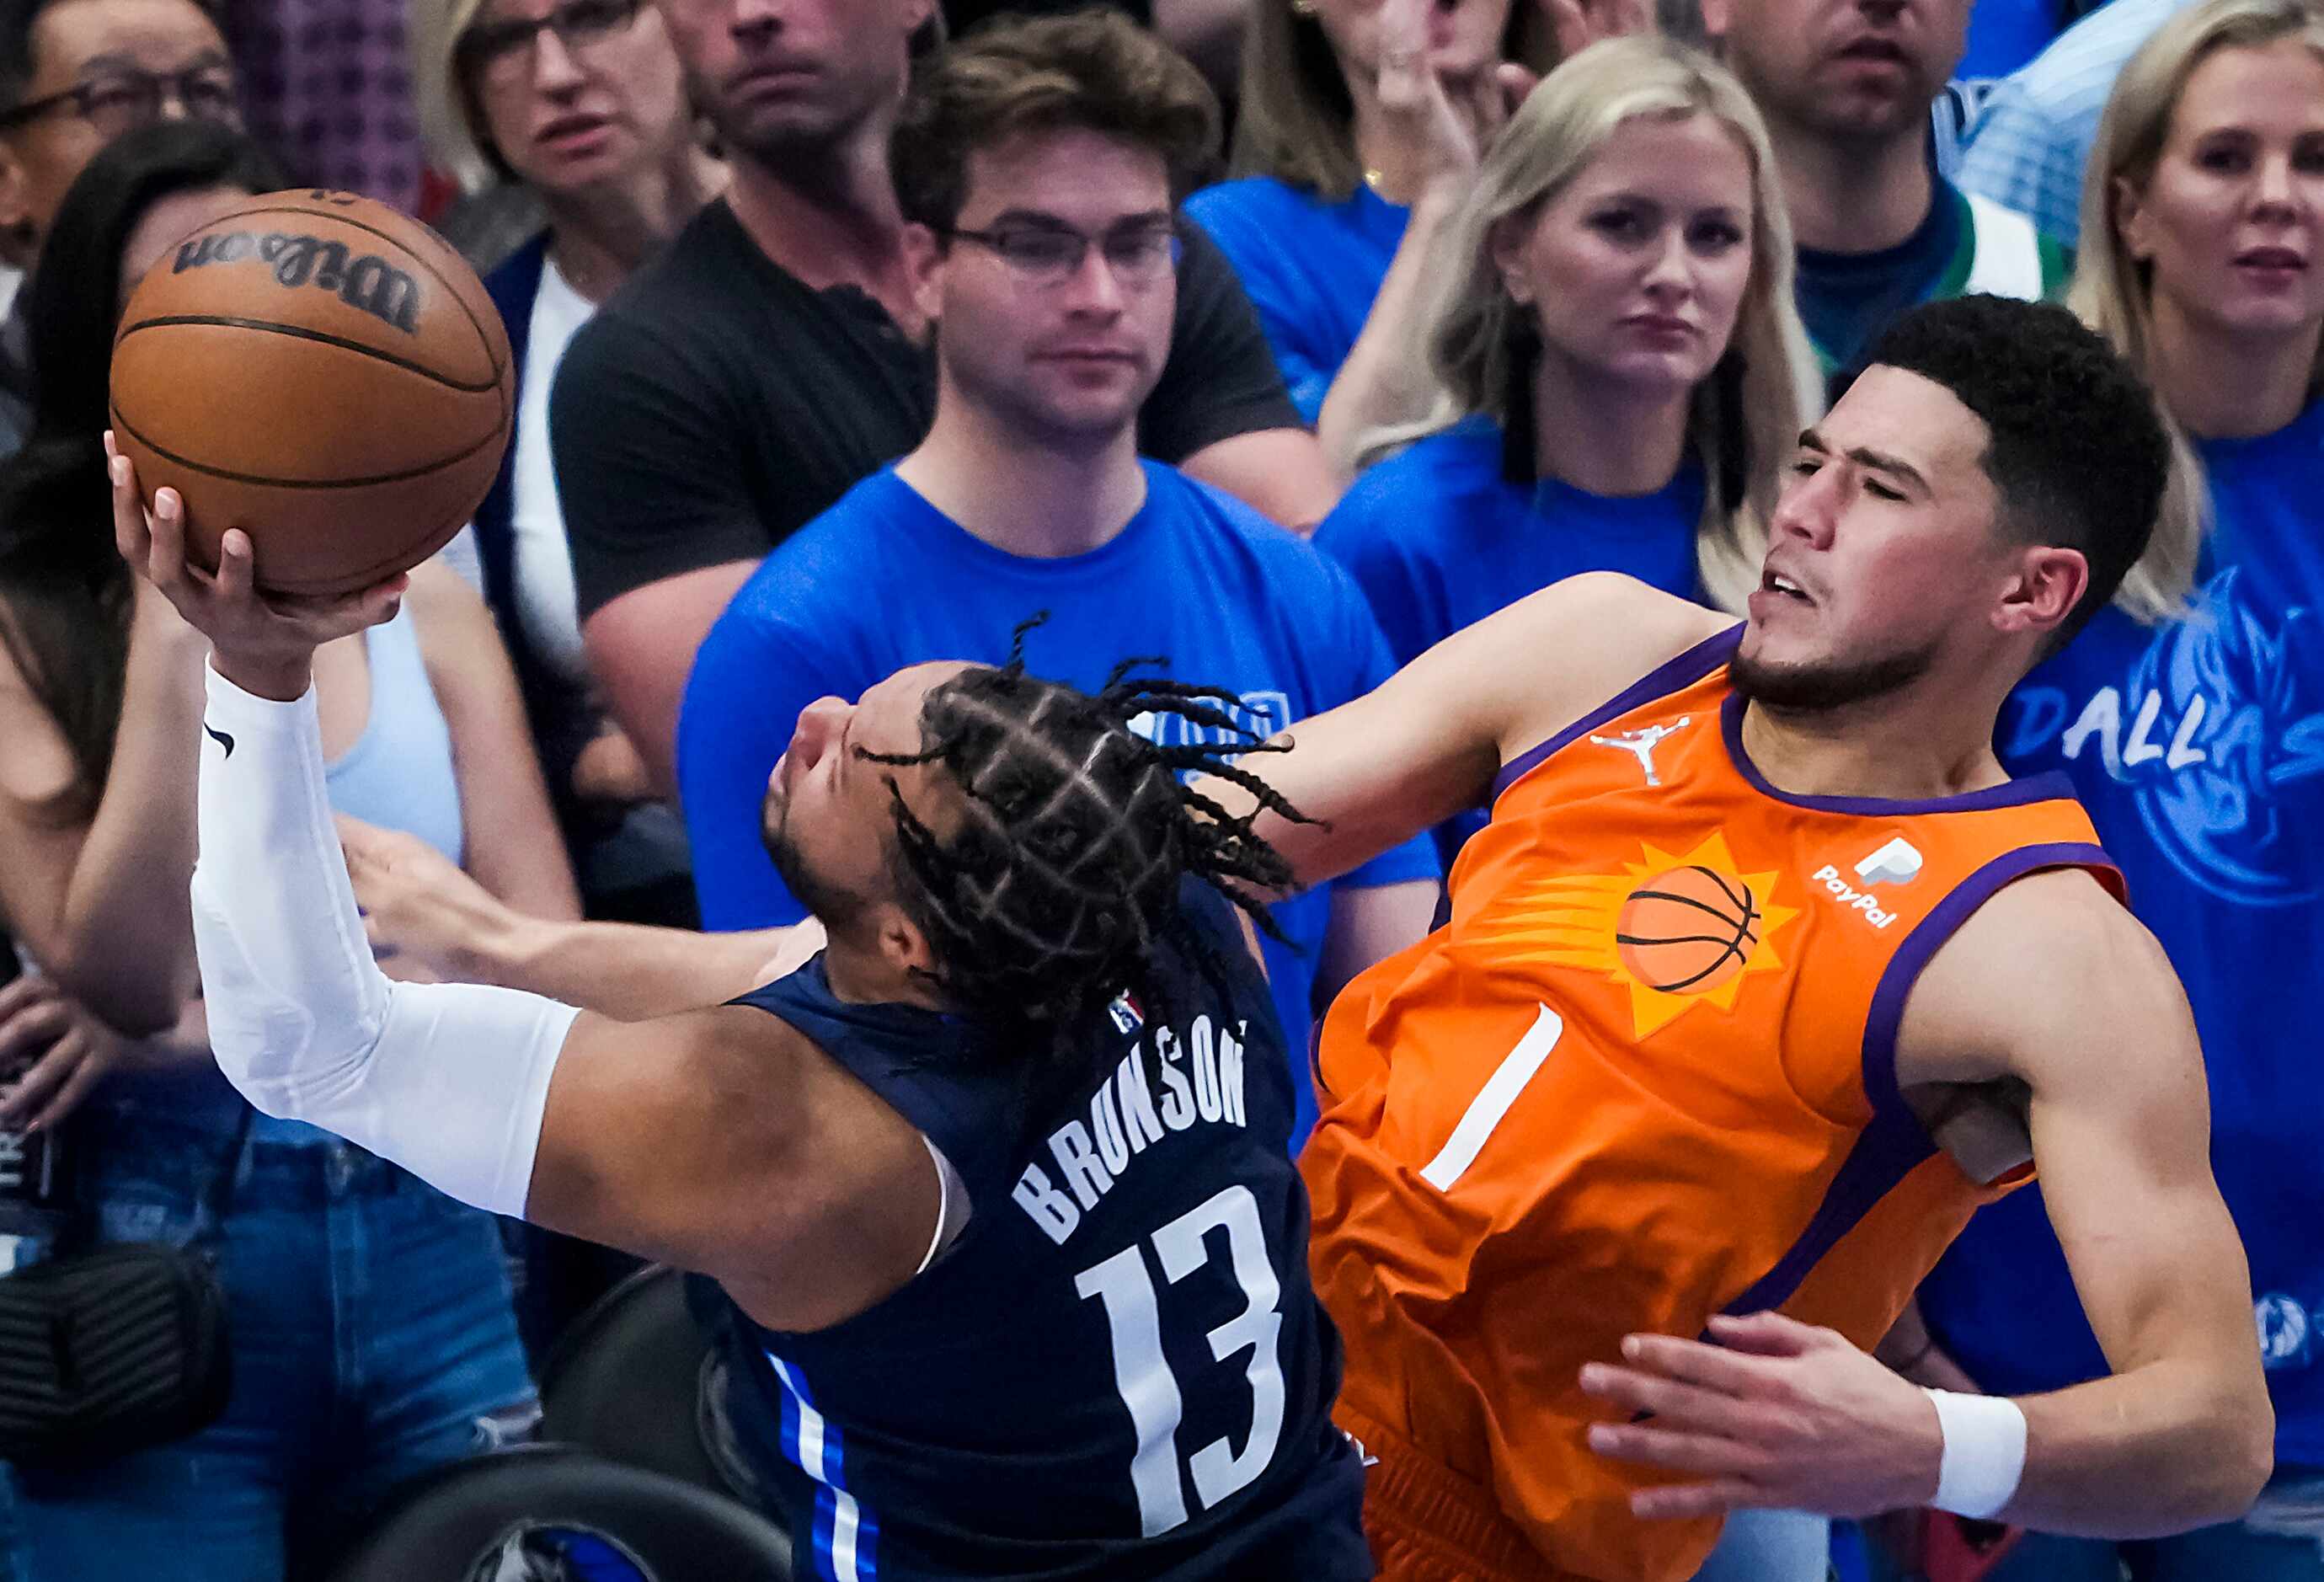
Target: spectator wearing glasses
1038,168
584,102
74,75
775,356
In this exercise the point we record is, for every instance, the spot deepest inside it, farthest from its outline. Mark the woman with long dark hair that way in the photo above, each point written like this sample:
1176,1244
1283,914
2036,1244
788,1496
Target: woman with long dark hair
369,1316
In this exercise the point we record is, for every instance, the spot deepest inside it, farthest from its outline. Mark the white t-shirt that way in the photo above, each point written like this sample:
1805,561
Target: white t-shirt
545,599
9,279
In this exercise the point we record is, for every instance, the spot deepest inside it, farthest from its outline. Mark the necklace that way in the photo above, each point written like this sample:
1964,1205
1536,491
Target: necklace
1377,179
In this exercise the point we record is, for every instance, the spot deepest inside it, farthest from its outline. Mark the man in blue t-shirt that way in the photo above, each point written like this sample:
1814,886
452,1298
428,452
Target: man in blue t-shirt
1042,242
1845,89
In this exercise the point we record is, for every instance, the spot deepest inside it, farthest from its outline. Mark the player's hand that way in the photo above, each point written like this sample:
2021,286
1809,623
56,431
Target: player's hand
52,1053
1579,23
265,644
1778,1414
427,921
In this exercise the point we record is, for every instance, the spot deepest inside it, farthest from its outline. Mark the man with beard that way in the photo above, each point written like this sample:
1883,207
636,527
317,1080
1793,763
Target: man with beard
775,356
1846,86
1763,976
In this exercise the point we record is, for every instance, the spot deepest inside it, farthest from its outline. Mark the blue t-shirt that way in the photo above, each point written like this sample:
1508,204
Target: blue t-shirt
1438,539
1311,268
2005,34
883,580
2199,749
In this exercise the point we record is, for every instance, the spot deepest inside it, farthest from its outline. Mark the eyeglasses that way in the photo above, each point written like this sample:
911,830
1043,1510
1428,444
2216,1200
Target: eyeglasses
123,100
1049,255
499,48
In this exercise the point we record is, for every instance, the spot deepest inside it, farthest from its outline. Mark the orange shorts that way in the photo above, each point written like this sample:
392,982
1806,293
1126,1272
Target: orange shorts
1426,1523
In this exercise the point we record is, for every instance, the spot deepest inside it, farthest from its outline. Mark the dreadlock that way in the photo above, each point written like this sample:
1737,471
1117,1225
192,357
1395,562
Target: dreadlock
1062,884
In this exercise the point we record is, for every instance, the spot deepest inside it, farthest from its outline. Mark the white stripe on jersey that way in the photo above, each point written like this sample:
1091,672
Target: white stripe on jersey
845,1518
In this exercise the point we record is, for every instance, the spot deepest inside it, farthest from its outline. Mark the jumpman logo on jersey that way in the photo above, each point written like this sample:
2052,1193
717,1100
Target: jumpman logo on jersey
1643,741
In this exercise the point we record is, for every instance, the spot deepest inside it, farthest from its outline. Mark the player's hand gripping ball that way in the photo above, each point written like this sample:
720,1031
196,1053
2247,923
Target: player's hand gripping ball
324,373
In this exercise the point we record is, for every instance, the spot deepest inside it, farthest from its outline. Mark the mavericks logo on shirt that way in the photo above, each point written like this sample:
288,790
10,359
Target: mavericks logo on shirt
2216,730
1261,713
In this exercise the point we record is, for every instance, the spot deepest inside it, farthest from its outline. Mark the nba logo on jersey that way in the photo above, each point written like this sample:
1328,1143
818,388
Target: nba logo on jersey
1127,1017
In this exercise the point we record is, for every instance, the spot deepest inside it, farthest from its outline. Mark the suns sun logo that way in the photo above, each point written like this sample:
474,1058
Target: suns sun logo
1678,932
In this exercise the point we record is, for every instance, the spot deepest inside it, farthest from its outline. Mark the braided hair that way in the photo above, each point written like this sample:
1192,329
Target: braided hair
1061,886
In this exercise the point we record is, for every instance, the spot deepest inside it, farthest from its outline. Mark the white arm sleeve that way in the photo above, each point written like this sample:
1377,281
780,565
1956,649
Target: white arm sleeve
448,1081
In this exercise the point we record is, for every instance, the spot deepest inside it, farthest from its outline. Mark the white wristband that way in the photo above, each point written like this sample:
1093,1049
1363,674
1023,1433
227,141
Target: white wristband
1984,1455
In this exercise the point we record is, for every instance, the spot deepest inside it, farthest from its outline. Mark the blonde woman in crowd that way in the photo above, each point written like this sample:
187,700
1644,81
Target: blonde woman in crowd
1362,123
2193,729
1609,321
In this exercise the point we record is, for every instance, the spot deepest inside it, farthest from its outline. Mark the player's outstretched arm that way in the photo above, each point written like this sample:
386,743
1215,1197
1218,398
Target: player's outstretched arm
2074,998
722,1141
1427,742
2054,986
420,910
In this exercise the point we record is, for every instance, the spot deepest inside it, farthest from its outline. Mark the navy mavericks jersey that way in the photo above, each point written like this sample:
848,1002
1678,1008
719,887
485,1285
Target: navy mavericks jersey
1117,1369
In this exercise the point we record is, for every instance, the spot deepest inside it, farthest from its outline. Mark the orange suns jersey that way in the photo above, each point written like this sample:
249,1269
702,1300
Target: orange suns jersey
1645,1074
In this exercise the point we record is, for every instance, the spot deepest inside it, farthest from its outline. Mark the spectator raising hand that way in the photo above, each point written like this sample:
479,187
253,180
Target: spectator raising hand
1350,174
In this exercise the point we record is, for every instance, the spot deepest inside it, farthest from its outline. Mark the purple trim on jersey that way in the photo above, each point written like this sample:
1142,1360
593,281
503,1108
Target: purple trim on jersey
1921,946
1895,1143
1890,1149
2052,787
1684,671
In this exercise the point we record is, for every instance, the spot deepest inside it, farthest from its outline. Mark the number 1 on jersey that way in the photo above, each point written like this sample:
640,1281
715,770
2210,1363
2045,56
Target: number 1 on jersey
1493,1101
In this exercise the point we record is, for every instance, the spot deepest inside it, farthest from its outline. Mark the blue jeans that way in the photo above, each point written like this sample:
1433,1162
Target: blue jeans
371,1338
1770,1546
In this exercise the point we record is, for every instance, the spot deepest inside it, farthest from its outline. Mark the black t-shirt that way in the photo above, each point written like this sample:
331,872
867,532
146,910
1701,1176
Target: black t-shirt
717,405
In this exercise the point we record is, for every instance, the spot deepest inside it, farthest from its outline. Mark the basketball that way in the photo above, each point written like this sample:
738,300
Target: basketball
1688,931
323,373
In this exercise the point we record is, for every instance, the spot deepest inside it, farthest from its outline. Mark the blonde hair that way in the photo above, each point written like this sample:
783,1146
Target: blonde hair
1471,327
1295,119
2113,293
451,121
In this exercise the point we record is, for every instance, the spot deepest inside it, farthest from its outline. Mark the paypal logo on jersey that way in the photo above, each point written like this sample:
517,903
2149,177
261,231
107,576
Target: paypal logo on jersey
1897,863
2211,728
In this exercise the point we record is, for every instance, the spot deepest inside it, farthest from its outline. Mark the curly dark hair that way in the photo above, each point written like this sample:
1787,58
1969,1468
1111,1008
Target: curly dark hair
1091,70
1063,880
2078,452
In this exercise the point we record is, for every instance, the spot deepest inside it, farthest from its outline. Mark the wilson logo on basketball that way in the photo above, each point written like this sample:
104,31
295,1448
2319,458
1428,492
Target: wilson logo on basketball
1679,930
366,283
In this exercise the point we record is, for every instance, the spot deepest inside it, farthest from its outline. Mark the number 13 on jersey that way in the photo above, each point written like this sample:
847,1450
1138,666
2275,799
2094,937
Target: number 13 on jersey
1150,1390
